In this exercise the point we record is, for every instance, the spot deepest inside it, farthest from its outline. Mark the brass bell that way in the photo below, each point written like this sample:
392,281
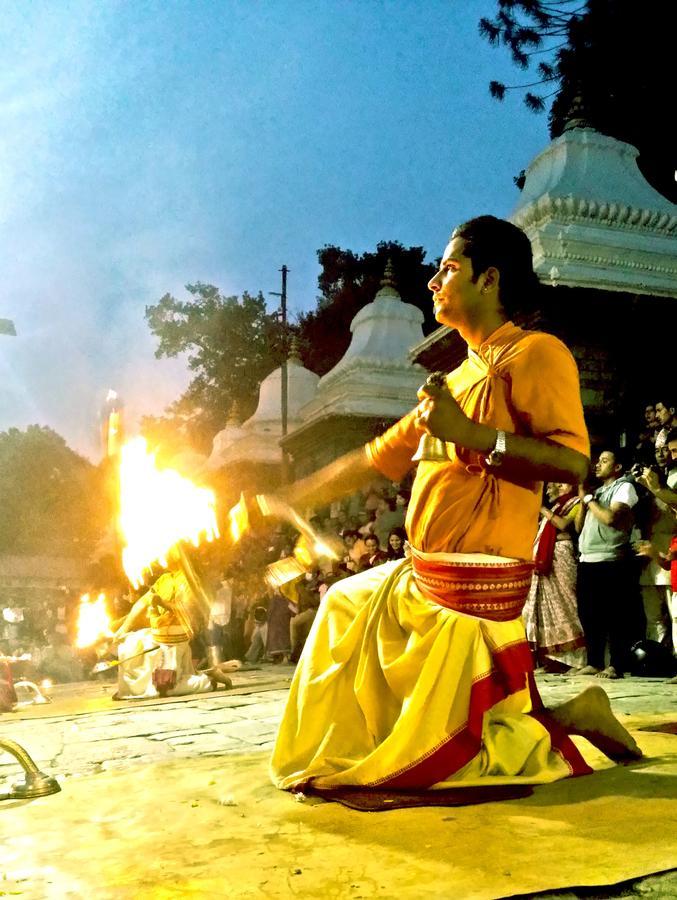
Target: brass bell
430,448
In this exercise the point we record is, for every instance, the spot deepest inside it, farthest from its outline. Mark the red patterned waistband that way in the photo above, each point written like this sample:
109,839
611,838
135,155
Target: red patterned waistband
495,591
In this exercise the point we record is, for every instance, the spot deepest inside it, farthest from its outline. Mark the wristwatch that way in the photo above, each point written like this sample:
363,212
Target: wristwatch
495,458
588,498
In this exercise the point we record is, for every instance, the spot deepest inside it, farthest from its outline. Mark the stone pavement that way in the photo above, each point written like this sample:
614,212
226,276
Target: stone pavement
84,732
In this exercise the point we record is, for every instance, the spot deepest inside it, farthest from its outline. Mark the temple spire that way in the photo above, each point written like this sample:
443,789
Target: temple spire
235,415
388,279
577,116
294,353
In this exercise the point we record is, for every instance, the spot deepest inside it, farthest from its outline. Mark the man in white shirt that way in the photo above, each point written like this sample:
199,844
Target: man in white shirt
607,579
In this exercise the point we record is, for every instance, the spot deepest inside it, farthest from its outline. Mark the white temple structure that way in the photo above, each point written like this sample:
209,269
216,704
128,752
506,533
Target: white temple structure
257,441
372,385
374,377
594,221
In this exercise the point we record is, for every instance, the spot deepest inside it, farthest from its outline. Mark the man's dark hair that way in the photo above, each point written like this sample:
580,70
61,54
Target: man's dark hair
350,532
494,242
671,436
621,456
372,537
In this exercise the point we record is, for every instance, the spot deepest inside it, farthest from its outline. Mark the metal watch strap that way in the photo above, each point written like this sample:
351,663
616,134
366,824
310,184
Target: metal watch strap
495,458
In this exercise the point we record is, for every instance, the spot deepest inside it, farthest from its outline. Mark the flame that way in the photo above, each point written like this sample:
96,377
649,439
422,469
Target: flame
93,621
238,518
158,509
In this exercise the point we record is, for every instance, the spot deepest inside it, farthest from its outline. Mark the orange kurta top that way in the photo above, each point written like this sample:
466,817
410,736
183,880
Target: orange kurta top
524,382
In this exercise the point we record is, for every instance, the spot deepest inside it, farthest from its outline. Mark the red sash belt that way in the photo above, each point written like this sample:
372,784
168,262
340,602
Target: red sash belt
495,591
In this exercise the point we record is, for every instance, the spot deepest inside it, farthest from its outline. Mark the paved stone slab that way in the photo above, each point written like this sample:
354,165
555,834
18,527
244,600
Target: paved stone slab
209,724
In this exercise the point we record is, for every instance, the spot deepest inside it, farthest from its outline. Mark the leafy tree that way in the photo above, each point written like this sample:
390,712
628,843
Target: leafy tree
231,342
613,54
53,500
348,282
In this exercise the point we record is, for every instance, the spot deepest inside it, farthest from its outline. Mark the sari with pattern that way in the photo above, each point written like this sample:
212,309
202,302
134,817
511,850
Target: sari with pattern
551,620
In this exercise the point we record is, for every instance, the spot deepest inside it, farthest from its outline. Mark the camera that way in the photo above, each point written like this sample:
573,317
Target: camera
637,469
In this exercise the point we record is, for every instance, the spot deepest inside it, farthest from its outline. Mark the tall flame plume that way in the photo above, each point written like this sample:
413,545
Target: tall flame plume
159,508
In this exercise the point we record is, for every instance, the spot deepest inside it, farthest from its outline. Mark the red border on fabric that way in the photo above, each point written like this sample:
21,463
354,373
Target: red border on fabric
493,591
562,743
512,670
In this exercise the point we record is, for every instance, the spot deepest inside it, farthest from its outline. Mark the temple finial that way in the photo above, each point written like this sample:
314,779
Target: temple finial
294,353
577,116
388,279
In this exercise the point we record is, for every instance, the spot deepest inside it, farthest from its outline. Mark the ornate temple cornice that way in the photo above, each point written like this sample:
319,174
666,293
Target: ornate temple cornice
582,209
594,221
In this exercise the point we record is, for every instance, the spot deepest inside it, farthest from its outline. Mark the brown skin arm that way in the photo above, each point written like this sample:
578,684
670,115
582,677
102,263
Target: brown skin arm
650,480
617,515
133,616
341,477
560,523
526,458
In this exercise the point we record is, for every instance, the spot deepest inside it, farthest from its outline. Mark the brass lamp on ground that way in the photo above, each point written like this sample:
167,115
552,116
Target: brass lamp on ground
35,783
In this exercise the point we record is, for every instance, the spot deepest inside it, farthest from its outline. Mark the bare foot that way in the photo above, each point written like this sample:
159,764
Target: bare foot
218,679
590,715
586,670
230,665
609,672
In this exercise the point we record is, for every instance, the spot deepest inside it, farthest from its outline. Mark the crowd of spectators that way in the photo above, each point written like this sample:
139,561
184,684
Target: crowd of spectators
604,593
602,601
38,634
265,624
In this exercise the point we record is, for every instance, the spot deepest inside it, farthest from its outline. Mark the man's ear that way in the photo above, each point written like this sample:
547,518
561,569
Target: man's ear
491,279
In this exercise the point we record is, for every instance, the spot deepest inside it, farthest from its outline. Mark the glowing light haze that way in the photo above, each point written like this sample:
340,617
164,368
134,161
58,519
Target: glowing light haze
147,145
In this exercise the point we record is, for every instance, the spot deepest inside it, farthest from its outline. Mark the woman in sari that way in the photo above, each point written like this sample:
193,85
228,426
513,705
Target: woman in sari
550,614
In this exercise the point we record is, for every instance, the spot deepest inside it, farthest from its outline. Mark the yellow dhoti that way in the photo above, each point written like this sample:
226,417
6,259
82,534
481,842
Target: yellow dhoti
396,690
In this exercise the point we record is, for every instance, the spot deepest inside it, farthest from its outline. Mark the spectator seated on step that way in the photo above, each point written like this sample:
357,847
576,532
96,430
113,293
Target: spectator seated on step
373,556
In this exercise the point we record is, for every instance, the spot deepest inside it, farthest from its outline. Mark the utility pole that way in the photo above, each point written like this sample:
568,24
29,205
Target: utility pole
284,372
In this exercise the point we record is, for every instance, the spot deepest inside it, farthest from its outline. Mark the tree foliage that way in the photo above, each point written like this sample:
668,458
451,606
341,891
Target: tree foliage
616,55
231,344
348,282
53,500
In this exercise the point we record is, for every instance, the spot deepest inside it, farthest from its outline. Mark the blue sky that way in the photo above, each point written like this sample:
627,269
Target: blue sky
145,145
